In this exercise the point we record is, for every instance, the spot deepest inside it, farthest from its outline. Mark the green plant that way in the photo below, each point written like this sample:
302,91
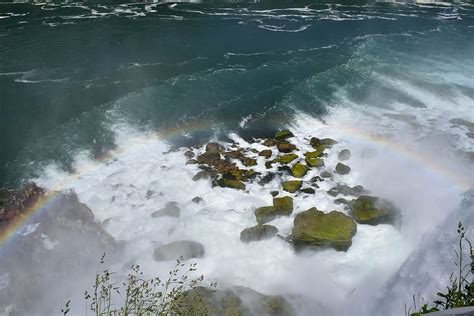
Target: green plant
138,295
460,291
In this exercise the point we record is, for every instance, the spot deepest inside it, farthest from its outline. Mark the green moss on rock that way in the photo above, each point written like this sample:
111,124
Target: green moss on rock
372,210
299,170
292,186
286,147
257,233
233,184
314,162
283,134
316,228
285,159
283,205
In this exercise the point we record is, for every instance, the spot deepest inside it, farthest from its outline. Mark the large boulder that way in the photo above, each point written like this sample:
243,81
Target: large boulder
373,211
299,170
292,186
185,249
257,233
171,209
316,228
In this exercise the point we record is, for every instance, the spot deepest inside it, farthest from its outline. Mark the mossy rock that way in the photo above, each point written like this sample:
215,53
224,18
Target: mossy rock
292,186
372,210
286,147
189,153
326,174
267,153
285,159
270,142
213,148
314,162
344,154
318,229
268,164
327,142
209,158
283,134
257,233
299,170
191,162
308,190
265,214
283,205
342,169
186,249
233,184
249,161
346,190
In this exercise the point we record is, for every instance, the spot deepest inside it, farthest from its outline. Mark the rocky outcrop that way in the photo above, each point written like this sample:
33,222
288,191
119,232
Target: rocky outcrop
185,249
318,229
372,210
257,233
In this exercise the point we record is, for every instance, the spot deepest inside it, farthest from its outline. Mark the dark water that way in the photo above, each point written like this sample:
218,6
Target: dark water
69,74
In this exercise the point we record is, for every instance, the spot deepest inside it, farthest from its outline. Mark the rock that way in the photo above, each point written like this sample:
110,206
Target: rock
344,154
189,153
316,142
268,164
326,174
342,169
248,161
270,142
171,209
284,134
209,158
308,190
267,153
299,170
372,210
274,193
234,154
347,190
257,233
202,175
233,184
185,249
292,186
191,162
341,201
316,228
267,178
316,179
250,174
213,148
285,147
281,206
285,159
328,142
314,162
198,200
315,154
149,194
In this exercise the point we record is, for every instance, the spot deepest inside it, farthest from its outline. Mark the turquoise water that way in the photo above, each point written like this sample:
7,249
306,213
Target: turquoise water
69,73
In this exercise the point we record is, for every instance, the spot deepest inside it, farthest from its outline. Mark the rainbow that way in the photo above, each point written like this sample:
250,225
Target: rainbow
33,214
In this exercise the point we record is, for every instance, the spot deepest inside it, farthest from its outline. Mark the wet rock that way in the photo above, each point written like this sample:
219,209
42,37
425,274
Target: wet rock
308,190
268,164
257,233
185,249
233,184
285,159
171,209
284,134
202,175
344,154
316,142
213,148
314,162
341,201
372,210
285,147
326,174
209,158
234,154
267,178
281,206
248,161
191,162
270,142
274,193
318,229
189,154
316,179
198,200
299,170
292,186
149,194
319,152
267,153
347,190
342,169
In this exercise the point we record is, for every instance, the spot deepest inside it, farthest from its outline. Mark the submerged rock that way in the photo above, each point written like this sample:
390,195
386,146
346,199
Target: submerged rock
257,233
198,200
344,154
284,134
342,169
185,249
299,170
347,190
171,209
314,162
316,142
248,161
202,175
316,228
308,190
189,153
326,174
372,210
292,186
